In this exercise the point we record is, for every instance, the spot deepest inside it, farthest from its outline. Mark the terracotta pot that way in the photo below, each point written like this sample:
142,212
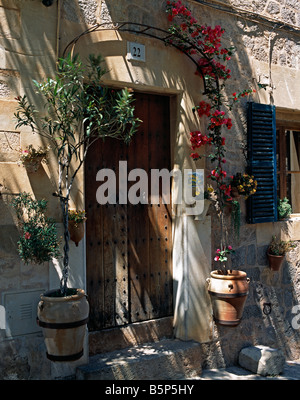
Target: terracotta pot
228,296
63,321
33,165
275,262
76,231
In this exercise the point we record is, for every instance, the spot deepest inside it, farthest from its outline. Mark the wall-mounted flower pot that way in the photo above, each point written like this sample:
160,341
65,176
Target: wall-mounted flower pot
76,231
63,321
275,262
228,295
33,165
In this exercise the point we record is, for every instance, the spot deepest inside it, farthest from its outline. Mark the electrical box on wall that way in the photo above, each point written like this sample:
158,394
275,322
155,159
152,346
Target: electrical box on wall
21,311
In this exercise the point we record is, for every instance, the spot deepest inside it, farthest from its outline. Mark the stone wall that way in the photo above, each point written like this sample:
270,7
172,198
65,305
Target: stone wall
270,56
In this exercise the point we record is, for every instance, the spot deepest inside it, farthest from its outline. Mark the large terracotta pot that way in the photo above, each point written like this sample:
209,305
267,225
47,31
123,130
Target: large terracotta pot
63,321
228,296
76,231
275,262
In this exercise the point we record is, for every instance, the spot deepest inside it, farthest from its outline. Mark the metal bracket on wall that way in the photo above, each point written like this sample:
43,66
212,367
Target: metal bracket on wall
168,38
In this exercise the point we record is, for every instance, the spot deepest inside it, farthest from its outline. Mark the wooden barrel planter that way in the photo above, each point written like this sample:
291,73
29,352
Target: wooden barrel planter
228,295
63,321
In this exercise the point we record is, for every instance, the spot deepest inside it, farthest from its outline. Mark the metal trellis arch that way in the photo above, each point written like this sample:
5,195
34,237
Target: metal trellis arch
168,38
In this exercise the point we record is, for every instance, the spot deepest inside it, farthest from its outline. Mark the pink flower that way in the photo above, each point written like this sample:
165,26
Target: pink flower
229,247
27,235
217,258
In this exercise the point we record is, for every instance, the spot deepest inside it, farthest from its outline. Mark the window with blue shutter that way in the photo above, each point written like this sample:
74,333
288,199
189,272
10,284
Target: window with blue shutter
262,206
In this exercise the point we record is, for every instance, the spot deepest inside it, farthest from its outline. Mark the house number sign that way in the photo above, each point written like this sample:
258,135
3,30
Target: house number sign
135,51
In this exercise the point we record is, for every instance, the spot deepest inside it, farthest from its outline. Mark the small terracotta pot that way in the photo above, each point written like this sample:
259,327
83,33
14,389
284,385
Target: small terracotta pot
275,262
228,296
33,165
76,231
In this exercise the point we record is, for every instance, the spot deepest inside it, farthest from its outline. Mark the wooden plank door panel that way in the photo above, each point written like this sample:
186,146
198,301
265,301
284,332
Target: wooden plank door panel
129,263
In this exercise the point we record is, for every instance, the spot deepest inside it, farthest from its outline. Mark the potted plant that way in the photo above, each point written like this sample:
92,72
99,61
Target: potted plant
32,158
38,240
80,110
284,208
76,225
243,184
228,290
277,251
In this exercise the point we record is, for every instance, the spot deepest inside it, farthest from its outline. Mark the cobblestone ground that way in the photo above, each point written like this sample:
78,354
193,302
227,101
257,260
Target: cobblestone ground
291,372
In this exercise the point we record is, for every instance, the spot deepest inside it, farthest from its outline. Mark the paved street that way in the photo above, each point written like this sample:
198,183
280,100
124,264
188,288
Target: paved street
291,372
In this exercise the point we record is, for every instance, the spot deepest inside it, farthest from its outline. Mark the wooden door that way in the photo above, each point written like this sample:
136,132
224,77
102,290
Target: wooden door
129,262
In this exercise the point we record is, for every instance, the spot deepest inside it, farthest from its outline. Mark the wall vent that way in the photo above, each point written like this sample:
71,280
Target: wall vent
21,311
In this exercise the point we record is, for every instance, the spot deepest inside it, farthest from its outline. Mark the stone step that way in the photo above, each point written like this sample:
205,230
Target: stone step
167,359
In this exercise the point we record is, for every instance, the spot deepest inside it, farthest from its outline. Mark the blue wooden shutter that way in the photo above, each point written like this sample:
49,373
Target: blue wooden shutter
262,206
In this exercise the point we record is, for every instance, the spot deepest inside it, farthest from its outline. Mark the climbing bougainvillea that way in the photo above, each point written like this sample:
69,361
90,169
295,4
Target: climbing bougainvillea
204,44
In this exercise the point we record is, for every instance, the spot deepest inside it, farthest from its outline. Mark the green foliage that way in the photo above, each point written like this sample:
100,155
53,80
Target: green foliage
78,216
79,109
284,208
38,241
280,247
236,217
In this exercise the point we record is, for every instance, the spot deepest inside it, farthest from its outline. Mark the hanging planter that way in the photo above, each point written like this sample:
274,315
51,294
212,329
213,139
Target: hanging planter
76,225
32,158
228,296
33,165
276,252
63,321
275,262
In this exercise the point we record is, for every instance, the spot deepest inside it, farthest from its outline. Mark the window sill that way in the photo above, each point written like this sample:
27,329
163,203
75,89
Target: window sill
290,227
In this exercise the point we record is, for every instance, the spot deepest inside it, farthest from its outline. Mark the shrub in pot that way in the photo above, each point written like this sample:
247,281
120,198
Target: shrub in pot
277,251
228,290
80,110
284,208
204,42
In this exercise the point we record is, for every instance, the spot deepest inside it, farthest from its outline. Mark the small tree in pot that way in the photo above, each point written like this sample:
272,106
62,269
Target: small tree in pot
78,113
80,110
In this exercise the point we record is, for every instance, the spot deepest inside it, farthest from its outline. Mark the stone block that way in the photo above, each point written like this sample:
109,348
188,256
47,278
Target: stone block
262,360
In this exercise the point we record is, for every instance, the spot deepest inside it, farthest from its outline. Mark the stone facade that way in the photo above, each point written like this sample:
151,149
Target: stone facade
266,35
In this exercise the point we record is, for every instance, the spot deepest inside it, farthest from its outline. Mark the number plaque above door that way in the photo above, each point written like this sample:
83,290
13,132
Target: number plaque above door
136,51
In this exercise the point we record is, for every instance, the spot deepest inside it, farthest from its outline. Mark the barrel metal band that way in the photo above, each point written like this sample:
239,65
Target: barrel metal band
234,322
61,325
71,357
228,295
